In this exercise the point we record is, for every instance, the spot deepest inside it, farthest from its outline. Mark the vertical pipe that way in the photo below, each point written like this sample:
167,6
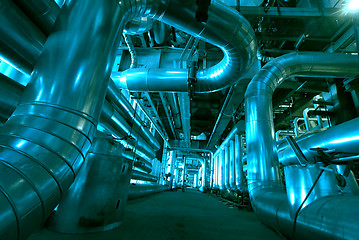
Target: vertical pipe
221,170
232,173
240,181
226,167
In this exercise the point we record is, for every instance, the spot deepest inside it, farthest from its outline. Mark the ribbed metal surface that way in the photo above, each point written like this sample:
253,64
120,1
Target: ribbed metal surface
97,199
43,144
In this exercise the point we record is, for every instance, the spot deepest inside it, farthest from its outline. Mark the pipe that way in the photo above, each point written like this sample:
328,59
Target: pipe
343,138
185,106
131,49
225,28
131,115
96,201
168,115
172,100
138,161
142,190
43,13
137,175
283,133
44,142
114,121
240,179
232,173
264,183
138,26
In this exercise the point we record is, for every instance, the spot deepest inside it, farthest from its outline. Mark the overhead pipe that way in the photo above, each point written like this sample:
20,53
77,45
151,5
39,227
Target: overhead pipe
172,101
185,108
44,142
331,217
138,175
111,117
43,13
131,115
168,114
225,28
131,49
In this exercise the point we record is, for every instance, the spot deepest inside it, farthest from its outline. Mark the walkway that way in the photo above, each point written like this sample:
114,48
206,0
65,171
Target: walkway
178,215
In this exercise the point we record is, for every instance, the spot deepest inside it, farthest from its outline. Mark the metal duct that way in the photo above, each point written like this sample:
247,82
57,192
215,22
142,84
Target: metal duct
185,108
111,119
138,26
43,144
225,28
325,218
131,115
43,13
96,201
131,49
142,190
172,101
240,179
343,138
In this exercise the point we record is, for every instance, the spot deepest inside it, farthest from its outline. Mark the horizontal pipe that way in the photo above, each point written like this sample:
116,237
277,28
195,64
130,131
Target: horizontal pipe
137,175
268,199
343,138
142,190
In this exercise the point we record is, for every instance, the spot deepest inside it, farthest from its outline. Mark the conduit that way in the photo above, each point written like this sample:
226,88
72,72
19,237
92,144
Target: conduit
333,217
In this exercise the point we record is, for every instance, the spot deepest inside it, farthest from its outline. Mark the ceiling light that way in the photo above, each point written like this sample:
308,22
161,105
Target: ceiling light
353,5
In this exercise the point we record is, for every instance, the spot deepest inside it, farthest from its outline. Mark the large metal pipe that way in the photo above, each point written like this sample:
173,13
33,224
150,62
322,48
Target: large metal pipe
321,219
96,201
172,101
43,144
225,28
185,108
343,138
137,175
238,146
232,170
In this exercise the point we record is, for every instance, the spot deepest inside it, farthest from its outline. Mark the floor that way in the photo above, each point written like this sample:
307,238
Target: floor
178,215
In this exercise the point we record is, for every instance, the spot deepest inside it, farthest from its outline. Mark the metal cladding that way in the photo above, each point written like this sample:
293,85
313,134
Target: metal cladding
97,199
225,28
342,138
264,183
44,142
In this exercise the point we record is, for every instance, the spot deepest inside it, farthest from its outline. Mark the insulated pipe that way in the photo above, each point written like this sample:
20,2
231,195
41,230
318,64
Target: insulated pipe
238,146
131,115
226,167
343,138
142,190
96,201
110,117
137,175
139,161
221,170
320,219
131,49
232,170
185,106
43,144
43,13
225,28
172,100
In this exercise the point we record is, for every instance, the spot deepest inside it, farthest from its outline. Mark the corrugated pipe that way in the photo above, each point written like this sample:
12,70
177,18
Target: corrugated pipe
43,144
225,28
327,218
131,49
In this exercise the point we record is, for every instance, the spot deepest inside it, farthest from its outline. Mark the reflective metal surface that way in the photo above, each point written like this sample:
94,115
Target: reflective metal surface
264,183
232,173
225,28
343,138
97,199
42,12
137,175
238,155
44,142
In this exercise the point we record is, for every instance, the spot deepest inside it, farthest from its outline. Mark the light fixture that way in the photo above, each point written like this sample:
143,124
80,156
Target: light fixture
352,5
